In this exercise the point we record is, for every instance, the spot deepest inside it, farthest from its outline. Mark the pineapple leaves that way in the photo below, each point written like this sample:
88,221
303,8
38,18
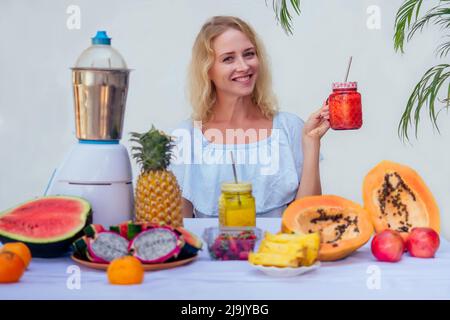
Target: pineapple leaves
153,150
283,14
436,80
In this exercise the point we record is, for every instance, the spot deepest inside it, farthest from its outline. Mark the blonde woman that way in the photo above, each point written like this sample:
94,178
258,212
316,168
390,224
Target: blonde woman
234,109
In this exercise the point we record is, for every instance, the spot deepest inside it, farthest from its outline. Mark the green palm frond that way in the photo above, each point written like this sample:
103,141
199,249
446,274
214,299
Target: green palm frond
403,19
282,9
443,49
436,80
439,15
426,93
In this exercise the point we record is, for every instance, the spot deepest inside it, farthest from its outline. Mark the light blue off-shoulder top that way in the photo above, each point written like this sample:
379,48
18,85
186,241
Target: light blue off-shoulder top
273,165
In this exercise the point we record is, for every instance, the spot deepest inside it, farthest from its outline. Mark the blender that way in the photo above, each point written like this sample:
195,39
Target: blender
98,167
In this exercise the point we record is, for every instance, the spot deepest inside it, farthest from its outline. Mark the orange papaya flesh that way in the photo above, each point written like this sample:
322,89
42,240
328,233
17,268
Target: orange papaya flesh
344,225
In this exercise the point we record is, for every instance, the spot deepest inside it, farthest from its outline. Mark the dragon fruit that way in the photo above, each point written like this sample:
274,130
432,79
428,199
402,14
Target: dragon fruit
92,230
107,246
79,247
192,243
156,245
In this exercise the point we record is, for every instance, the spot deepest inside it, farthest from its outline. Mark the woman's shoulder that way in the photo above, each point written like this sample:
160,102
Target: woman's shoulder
182,128
184,124
289,120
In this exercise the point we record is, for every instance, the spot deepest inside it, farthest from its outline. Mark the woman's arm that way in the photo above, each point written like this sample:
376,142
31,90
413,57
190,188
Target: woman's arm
313,130
187,209
310,179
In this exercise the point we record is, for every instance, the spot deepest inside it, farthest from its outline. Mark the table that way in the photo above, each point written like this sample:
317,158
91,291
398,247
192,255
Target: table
359,276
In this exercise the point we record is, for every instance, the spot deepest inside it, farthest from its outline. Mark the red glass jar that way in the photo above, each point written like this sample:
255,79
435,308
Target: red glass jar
345,106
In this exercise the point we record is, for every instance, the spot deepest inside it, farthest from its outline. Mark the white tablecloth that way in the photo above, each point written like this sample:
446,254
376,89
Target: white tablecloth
359,276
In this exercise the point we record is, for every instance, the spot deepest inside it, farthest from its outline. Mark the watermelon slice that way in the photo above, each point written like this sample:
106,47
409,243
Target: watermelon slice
48,225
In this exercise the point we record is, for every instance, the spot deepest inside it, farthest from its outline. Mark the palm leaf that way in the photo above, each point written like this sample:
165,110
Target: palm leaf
436,79
440,15
425,94
282,9
443,49
405,14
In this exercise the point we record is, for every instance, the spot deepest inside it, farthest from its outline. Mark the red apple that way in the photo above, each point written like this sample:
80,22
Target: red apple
423,242
388,246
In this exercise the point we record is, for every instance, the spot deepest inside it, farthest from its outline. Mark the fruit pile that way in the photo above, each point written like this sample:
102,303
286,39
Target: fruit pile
389,245
344,225
149,243
397,205
287,250
229,246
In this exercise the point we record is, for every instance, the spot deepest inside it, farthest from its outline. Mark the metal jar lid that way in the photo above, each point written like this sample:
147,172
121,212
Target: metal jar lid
236,187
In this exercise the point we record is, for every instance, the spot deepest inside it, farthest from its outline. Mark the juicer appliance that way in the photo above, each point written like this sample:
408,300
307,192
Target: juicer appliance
98,167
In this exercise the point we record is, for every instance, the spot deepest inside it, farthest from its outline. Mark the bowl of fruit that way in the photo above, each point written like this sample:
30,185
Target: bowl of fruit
231,243
286,255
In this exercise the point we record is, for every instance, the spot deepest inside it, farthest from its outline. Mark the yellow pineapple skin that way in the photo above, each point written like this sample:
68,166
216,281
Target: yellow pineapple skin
158,198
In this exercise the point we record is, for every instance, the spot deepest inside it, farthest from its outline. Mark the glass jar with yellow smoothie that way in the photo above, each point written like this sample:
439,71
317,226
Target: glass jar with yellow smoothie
237,205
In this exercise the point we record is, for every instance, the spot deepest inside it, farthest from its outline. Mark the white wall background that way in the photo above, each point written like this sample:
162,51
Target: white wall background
155,37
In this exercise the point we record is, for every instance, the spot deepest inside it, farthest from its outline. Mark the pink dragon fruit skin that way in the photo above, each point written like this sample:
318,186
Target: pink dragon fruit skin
95,257
163,235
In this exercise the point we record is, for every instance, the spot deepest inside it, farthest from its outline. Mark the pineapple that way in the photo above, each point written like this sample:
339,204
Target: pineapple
157,194
310,241
273,259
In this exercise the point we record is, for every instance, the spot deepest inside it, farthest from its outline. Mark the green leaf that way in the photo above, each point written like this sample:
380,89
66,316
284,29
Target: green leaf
403,19
443,49
439,15
425,94
283,14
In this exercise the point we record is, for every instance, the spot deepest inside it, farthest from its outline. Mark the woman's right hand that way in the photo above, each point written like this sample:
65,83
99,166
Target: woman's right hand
317,124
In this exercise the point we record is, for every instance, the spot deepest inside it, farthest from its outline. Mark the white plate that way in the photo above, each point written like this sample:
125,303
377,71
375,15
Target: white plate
286,272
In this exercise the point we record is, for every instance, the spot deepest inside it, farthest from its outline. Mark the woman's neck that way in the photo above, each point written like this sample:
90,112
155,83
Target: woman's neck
232,109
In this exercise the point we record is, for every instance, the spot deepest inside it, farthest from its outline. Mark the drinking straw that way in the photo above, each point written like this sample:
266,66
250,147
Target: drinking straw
235,175
348,68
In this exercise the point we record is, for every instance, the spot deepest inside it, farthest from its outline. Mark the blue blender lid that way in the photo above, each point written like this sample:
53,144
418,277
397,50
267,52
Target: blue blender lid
101,38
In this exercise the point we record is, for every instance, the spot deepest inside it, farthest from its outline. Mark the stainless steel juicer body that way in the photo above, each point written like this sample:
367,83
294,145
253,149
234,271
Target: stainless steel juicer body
99,98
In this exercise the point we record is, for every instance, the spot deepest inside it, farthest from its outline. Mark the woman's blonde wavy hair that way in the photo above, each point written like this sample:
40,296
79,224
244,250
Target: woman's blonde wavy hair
202,92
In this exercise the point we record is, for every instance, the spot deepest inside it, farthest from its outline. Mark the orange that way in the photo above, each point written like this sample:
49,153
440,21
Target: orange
11,267
20,249
125,270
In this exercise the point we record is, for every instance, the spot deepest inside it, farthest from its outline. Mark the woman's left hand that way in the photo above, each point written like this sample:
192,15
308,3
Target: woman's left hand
317,124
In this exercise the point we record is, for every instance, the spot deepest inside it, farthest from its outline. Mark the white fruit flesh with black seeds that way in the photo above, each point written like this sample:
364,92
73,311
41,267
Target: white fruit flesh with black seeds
109,246
155,244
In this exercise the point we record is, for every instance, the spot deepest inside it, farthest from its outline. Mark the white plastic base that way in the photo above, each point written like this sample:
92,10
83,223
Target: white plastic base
100,174
111,204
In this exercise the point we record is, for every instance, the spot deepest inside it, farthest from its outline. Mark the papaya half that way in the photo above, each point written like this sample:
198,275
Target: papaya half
344,225
397,198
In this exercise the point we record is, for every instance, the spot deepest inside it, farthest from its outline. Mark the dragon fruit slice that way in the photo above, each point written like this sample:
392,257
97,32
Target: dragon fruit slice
156,245
192,243
92,230
107,246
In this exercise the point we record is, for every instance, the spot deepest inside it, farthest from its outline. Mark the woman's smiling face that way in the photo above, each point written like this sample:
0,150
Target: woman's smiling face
235,68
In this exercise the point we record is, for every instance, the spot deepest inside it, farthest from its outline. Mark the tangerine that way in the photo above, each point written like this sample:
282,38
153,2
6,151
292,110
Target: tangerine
20,249
125,271
12,267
